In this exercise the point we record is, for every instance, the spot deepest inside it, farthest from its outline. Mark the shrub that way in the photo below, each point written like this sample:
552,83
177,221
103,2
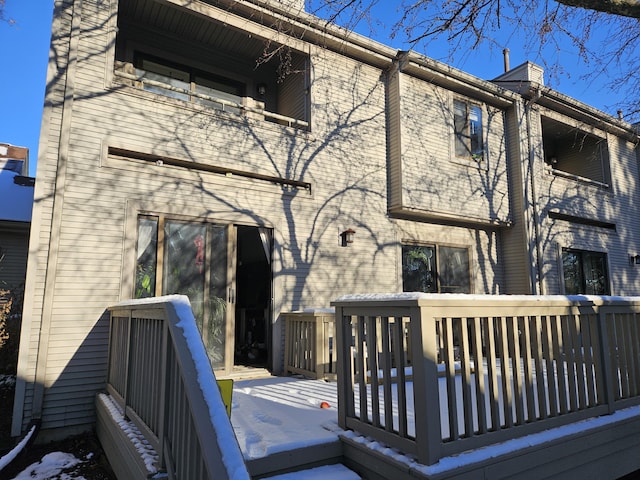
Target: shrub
10,321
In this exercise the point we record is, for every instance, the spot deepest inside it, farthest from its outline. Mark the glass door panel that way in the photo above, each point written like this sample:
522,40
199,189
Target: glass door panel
184,271
221,301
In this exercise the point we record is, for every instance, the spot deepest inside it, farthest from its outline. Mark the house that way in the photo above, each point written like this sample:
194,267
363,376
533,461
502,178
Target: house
16,200
257,160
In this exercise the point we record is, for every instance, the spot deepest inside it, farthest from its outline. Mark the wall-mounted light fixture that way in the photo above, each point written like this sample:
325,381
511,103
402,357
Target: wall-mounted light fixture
346,237
262,89
634,259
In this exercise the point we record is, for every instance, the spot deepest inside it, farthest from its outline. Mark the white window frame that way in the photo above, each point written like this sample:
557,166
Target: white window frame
470,158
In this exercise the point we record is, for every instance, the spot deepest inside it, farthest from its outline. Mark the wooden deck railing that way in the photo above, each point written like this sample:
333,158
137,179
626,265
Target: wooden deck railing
484,369
309,343
159,376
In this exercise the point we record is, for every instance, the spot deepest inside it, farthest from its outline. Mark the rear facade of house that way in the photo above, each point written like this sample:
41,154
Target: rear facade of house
222,149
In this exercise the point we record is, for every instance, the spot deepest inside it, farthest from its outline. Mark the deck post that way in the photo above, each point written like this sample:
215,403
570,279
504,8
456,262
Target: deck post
605,352
343,348
425,377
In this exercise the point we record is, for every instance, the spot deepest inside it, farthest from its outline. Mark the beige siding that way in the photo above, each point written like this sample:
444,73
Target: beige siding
433,180
13,250
343,158
394,127
86,200
517,248
581,200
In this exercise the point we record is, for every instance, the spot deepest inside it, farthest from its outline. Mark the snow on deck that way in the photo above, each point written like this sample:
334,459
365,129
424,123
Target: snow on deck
277,414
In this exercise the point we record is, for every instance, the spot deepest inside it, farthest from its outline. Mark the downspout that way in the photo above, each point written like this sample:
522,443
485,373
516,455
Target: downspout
535,273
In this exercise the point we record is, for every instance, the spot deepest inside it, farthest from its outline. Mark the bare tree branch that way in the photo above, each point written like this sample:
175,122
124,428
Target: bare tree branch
626,8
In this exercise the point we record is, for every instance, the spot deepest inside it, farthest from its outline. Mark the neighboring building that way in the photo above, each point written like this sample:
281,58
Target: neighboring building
16,202
224,151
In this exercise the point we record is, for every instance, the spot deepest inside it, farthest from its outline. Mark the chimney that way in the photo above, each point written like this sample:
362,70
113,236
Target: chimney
505,53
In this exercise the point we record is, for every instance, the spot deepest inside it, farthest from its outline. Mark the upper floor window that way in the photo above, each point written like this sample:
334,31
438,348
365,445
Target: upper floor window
181,82
467,125
585,272
435,269
575,152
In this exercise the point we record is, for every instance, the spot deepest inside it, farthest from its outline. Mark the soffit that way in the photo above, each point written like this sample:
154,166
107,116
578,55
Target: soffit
187,25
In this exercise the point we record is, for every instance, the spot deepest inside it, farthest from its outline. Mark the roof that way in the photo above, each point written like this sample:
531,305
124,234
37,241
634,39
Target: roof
16,193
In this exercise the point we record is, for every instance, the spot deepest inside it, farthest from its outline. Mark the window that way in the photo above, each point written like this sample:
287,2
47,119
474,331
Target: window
178,81
435,269
467,125
585,272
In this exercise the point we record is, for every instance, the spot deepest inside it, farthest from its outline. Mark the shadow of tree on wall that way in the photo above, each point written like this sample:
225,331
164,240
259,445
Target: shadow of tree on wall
84,198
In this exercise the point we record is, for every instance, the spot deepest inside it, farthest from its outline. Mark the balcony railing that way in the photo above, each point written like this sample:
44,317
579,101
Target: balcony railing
246,105
169,408
309,343
484,369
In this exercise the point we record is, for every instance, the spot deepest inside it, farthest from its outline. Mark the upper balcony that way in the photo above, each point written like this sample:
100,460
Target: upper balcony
196,56
575,153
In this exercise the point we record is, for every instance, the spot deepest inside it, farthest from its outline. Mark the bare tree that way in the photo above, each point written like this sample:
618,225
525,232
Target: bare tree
605,35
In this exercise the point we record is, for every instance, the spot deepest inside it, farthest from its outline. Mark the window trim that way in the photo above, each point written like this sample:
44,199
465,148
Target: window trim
468,159
437,248
607,269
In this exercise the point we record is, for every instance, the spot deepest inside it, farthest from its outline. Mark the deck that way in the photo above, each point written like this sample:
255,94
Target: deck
509,410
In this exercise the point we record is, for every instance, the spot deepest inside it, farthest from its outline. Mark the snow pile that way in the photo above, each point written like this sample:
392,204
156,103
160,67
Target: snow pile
146,451
8,458
51,466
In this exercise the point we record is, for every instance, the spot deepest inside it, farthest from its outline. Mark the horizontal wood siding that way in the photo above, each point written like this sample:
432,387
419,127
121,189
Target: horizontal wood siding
616,205
14,247
343,159
47,169
515,255
292,91
433,180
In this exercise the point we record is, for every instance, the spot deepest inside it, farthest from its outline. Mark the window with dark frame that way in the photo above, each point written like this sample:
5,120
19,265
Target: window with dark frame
435,269
585,272
188,82
467,125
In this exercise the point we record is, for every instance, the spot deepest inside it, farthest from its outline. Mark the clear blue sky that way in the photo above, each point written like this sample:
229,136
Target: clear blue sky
24,48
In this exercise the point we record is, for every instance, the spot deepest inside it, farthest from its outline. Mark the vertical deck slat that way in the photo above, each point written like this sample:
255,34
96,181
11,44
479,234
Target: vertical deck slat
525,327
516,361
398,348
469,409
506,373
478,360
570,361
372,355
492,372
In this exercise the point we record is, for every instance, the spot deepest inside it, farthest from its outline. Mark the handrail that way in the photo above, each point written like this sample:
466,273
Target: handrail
504,366
160,376
292,122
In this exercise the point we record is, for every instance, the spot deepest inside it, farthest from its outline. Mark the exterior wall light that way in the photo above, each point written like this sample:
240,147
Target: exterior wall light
262,89
346,237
